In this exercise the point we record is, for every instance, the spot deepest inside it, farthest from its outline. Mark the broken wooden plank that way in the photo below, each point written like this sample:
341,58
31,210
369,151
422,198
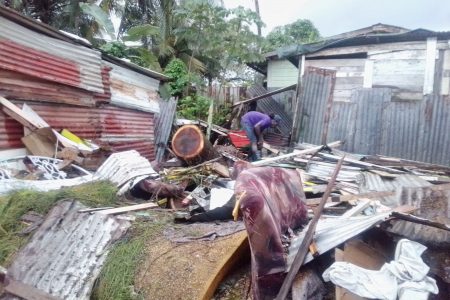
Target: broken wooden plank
26,291
293,154
360,163
124,209
288,88
270,148
346,198
227,263
418,220
220,169
19,115
357,209
94,209
304,247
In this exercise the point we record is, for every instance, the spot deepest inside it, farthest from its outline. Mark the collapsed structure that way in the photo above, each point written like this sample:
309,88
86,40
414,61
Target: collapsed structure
51,83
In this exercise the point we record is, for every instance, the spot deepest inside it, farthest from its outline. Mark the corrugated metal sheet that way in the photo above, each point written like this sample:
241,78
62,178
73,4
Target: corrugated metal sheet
372,123
342,124
268,105
369,182
133,90
369,121
10,132
65,255
163,125
432,204
126,129
125,169
122,129
34,54
286,100
15,85
316,92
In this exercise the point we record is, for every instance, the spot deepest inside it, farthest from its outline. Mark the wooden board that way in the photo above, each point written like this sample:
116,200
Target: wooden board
15,112
124,209
26,291
226,264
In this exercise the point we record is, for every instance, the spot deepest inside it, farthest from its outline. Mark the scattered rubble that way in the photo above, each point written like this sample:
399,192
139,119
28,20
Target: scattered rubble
205,185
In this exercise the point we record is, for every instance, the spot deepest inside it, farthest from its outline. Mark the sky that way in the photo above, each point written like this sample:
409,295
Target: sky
337,16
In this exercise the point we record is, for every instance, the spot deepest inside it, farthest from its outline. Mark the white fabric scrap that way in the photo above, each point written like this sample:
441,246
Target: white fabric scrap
220,197
405,277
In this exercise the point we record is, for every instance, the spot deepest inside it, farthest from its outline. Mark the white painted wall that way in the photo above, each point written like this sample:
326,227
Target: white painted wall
281,73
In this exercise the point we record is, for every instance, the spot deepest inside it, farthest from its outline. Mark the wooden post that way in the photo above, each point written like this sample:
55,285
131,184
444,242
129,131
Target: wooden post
210,119
303,249
298,108
326,119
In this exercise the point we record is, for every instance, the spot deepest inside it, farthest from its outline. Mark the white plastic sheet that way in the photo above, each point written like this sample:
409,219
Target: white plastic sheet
405,277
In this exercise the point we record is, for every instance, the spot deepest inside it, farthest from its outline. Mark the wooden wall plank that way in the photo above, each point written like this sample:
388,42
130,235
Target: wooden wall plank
430,66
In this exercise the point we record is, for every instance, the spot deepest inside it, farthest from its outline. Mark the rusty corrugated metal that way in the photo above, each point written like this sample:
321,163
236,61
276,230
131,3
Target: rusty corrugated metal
28,52
126,129
163,125
120,128
133,90
82,121
268,105
275,139
15,85
10,132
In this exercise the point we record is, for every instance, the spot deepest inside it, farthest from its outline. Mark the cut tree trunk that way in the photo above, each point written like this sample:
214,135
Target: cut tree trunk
190,144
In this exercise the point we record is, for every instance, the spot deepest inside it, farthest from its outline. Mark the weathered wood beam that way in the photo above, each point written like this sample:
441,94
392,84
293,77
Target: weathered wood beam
288,88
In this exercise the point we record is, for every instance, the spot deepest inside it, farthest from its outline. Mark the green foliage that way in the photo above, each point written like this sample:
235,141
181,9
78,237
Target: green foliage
116,49
100,16
15,205
177,71
136,33
117,276
221,115
301,31
218,36
194,107
140,56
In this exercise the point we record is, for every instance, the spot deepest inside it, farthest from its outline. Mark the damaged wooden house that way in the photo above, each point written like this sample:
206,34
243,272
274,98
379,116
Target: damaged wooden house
381,90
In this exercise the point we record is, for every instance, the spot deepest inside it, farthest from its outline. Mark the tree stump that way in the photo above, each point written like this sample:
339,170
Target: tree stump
190,144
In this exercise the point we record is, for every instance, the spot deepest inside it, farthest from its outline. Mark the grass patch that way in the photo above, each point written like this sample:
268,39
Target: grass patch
16,204
116,279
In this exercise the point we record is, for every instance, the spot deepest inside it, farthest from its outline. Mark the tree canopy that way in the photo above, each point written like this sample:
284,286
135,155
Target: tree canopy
301,31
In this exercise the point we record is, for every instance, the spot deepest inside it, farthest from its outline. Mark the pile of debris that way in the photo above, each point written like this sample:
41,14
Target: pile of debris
295,204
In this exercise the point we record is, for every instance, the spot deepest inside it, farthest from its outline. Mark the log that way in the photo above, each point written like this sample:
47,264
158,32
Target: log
190,144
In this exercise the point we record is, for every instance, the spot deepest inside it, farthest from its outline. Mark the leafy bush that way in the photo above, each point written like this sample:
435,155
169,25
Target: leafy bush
177,71
194,107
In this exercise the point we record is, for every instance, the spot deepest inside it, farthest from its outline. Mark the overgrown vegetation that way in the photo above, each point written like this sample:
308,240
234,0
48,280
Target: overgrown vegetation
301,31
15,205
116,279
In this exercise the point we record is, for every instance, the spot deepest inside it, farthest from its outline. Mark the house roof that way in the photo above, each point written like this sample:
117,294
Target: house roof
47,30
375,34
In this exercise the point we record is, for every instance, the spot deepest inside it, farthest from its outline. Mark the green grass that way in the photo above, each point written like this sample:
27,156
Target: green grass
18,203
117,276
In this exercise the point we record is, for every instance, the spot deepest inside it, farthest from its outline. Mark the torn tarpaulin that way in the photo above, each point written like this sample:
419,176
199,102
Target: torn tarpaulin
272,204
